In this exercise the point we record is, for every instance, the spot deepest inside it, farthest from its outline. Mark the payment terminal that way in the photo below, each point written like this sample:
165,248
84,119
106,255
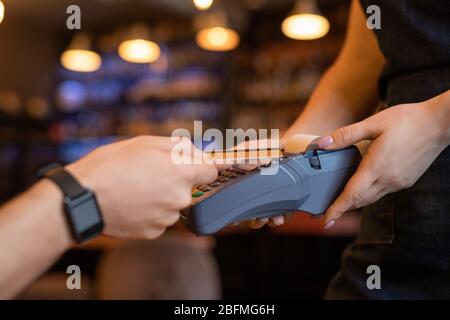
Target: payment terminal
307,181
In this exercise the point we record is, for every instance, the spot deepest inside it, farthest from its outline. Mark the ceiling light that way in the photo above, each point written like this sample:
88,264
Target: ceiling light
305,22
2,11
139,51
203,4
217,39
79,58
137,47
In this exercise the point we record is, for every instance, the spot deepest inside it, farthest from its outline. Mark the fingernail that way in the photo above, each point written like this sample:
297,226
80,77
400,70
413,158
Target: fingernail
264,220
325,142
278,221
329,224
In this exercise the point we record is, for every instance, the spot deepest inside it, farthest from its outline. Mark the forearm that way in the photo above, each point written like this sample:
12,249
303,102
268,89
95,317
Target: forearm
33,235
348,92
343,96
441,110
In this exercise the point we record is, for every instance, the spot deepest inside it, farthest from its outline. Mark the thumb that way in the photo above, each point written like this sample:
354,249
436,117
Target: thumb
347,136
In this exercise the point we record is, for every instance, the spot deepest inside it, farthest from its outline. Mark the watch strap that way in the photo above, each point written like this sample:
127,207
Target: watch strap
65,181
80,204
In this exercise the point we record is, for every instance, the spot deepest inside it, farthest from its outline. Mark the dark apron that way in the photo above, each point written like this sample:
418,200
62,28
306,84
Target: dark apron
407,234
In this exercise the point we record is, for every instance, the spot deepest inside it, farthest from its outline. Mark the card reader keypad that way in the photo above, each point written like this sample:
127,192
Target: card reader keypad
225,176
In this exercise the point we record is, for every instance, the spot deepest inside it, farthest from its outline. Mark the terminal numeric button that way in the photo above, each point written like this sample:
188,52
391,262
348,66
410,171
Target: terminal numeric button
230,175
197,194
238,171
204,188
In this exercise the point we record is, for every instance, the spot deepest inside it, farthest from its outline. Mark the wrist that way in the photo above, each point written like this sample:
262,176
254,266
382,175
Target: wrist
79,172
81,208
54,227
440,109
88,179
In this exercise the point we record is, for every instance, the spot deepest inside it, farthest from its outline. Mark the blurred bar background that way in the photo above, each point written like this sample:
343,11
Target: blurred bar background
149,67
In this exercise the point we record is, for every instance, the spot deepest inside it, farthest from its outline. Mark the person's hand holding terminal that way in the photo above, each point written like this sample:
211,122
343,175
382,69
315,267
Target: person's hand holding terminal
406,139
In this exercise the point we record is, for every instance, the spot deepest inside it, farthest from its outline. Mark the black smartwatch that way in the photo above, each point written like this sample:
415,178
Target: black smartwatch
80,205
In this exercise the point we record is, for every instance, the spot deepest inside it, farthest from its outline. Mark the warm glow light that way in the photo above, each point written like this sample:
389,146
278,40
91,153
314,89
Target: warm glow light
2,11
203,4
217,39
139,51
81,60
305,26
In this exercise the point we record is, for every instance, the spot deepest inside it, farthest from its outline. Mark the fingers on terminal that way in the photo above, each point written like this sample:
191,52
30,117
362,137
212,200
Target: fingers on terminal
276,221
257,223
352,134
352,196
204,173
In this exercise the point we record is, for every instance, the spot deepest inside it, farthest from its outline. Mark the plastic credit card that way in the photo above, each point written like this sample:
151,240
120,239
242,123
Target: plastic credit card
245,155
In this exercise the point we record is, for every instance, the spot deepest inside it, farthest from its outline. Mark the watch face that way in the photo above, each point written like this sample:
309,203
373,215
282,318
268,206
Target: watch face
84,216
